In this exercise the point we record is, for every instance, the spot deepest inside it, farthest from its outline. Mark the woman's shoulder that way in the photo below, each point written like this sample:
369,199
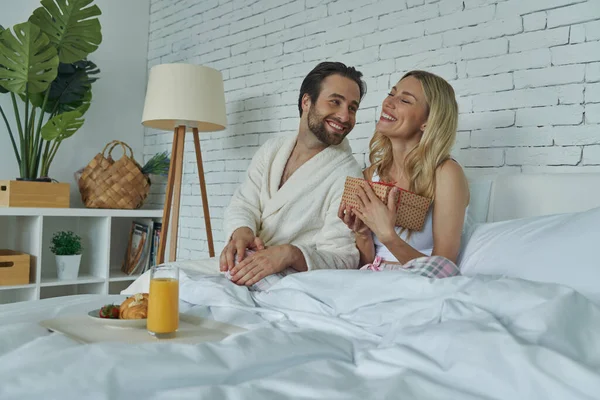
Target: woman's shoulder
450,167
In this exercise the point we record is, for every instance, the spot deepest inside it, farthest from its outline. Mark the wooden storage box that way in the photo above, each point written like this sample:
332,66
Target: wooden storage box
14,268
34,194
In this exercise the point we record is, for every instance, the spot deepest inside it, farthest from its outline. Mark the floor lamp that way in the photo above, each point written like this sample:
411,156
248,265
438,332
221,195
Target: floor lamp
182,98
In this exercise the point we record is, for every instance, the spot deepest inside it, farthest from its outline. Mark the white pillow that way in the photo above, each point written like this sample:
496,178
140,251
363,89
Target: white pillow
558,248
477,210
480,200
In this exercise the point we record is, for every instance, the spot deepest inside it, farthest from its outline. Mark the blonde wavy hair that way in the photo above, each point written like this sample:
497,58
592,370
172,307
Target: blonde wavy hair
434,147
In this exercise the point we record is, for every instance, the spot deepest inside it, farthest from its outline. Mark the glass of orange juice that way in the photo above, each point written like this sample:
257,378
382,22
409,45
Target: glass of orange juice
163,302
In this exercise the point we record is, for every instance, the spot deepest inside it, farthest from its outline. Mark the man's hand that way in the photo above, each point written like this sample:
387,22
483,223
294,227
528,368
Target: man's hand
261,264
242,239
346,214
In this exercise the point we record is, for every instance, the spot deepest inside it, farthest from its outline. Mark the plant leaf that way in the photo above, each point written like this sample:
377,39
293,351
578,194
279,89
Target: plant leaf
62,126
73,81
157,165
2,90
37,99
70,89
70,27
27,59
85,104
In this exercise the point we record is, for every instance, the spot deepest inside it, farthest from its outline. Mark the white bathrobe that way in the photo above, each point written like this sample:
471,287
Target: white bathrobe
303,212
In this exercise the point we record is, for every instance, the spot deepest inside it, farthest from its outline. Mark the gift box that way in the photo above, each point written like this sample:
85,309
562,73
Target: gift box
411,207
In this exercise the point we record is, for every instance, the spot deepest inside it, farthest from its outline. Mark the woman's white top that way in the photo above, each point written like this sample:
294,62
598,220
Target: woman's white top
422,240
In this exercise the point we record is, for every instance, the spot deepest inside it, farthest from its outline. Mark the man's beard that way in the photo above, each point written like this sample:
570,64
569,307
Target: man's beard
316,124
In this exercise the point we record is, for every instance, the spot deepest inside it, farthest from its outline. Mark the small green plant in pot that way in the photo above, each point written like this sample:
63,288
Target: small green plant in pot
67,248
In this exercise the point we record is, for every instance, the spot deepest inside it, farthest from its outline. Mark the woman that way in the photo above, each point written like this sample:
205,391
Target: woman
411,148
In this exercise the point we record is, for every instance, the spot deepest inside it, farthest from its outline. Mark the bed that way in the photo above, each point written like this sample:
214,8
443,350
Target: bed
521,323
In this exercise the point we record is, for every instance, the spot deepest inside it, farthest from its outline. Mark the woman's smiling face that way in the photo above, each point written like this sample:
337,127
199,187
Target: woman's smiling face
404,111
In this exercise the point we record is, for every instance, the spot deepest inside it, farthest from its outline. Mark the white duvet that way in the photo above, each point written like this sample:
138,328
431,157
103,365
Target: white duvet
328,335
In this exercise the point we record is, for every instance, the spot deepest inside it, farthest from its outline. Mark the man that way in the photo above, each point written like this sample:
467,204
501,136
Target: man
286,210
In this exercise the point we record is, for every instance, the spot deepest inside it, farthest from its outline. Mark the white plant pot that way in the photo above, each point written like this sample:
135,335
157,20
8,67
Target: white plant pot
67,267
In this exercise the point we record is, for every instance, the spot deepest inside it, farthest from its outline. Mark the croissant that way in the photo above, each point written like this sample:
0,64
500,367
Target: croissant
134,307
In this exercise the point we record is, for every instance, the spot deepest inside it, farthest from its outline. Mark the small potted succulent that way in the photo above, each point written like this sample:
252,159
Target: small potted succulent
67,248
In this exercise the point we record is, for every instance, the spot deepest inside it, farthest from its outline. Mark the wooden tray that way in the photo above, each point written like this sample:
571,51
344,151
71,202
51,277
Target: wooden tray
191,330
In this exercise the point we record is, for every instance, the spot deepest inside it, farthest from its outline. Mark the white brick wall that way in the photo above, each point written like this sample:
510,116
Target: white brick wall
526,73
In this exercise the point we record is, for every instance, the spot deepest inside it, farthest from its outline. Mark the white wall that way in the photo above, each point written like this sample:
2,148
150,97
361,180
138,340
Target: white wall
527,73
118,95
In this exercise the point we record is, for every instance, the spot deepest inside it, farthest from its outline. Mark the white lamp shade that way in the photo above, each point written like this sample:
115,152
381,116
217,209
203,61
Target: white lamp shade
185,94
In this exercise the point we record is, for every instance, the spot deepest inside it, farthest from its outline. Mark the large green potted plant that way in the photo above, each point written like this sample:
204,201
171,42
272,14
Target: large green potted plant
45,71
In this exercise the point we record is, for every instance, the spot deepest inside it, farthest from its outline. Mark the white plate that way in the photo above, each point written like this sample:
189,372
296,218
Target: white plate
117,323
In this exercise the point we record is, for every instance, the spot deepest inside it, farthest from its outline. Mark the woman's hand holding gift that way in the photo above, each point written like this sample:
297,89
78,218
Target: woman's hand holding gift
377,216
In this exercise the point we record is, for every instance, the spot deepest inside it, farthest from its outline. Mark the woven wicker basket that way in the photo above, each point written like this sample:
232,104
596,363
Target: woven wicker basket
106,183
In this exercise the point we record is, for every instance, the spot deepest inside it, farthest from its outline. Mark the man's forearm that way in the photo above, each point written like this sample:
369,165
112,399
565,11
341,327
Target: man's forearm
296,259
237,219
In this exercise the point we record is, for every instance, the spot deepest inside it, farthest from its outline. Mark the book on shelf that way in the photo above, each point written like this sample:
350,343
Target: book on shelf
154,245
137,255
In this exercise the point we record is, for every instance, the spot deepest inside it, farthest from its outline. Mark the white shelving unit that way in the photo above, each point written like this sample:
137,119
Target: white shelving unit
104,234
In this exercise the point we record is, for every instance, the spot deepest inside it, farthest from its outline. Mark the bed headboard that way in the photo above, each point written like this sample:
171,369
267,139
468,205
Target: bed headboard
529,195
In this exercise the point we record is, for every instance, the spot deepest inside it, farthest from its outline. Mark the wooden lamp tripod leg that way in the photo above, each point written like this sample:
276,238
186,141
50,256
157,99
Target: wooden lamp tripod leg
173,196
211,248
173,192
177,194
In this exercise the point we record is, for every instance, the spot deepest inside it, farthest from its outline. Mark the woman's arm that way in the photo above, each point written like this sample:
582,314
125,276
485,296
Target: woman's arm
451,200
364,238
362,234
366,247
399,248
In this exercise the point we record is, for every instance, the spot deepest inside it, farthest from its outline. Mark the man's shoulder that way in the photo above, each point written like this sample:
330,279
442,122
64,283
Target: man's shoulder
337,178
270,147
348,167
347,163
275,142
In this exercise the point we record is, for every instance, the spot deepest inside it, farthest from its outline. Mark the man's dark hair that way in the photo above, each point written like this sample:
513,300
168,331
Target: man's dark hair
312,83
